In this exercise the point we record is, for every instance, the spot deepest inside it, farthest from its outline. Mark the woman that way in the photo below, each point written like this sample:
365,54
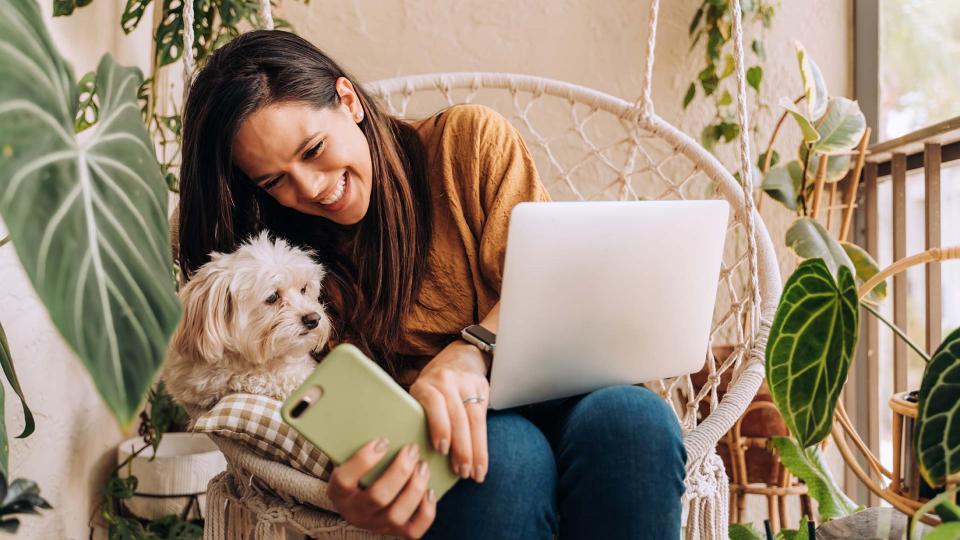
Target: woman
411,220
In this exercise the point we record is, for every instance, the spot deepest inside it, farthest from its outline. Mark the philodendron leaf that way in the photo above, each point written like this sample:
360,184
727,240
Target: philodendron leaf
842,127
814,87
937,433
810,133
811,342
866,268
88,218
837,165
809,240
808,465
783,183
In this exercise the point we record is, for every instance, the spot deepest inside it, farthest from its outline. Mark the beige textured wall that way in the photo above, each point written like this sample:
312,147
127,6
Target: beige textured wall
595,43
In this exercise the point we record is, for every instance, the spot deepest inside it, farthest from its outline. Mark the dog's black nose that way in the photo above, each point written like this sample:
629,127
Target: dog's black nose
311,320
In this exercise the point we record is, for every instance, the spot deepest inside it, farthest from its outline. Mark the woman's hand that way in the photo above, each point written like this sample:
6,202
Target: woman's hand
457,373
395,503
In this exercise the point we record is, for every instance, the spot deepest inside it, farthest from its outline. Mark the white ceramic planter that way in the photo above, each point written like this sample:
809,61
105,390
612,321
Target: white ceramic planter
184,464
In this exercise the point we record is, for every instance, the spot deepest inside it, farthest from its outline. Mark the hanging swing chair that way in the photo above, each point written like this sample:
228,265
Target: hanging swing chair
587,145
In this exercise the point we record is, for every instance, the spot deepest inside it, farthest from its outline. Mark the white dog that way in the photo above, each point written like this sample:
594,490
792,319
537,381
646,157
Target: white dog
252,323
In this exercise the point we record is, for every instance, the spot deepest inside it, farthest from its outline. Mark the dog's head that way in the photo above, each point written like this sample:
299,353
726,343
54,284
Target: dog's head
260,302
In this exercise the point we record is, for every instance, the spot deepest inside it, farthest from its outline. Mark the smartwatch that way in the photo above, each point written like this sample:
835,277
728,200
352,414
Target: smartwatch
477,335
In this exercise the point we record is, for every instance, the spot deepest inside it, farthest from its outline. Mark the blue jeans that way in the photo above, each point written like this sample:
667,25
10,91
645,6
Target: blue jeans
608,464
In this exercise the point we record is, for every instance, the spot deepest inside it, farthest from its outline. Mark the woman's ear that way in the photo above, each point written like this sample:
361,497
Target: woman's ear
207,309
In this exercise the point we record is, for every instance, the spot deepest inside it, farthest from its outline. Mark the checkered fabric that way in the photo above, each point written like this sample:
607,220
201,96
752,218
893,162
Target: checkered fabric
255,422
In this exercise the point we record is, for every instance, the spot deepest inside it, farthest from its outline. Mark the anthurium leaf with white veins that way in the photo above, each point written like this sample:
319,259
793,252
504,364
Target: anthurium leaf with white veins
937,432
87,216
812,340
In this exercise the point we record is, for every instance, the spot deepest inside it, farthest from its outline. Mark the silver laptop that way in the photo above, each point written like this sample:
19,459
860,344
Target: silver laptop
596,294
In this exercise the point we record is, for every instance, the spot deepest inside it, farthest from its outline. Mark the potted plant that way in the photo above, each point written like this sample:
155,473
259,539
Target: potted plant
814,333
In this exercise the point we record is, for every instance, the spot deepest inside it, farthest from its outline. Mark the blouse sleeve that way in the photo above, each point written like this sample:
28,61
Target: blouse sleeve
506,175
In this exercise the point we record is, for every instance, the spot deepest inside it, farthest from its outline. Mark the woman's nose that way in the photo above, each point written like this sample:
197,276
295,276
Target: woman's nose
307,185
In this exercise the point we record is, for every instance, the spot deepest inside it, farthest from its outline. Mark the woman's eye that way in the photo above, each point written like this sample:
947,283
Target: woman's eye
313,151
303,290
269,185
272,299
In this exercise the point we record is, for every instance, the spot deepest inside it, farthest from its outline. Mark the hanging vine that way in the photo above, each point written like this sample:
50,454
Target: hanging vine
712,26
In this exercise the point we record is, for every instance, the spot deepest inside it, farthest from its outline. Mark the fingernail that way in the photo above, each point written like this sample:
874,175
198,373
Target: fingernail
413,450
465,472
431,495
444,446
456,469
382,444
480,473
422,468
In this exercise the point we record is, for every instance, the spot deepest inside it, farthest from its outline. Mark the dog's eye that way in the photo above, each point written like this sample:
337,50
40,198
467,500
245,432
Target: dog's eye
272,299
303,290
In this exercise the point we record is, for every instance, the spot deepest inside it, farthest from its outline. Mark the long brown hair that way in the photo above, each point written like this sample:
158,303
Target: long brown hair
379,277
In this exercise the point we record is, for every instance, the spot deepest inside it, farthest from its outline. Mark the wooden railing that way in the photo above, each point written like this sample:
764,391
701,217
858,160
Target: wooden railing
892,161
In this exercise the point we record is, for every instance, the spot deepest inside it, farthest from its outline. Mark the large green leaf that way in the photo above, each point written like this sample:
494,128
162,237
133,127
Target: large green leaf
809,240
937,433
837,165
842,126
866,267
808,465
783,183
809,132
87,217
814,86
811,342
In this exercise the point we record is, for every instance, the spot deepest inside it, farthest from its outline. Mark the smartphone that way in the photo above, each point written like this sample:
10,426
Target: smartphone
349,400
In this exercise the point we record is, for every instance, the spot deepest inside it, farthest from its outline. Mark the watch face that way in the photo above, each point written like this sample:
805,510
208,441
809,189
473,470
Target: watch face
483,334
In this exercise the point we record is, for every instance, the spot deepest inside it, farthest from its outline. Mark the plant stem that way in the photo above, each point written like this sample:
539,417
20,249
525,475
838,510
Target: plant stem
803,178
896,330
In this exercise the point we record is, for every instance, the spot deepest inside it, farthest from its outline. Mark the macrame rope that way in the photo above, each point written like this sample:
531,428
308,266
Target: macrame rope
746,176
266,15
645,102
187,51
266,12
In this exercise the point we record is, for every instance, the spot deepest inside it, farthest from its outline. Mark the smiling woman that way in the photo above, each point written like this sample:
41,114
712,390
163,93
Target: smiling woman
277,136
316,161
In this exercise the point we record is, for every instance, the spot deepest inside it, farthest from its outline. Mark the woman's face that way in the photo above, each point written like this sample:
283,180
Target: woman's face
316,161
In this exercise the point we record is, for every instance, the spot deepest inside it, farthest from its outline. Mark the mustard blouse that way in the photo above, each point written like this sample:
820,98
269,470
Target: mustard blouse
479,168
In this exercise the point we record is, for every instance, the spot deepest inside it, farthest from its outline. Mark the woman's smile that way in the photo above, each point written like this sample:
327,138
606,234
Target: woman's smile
340,196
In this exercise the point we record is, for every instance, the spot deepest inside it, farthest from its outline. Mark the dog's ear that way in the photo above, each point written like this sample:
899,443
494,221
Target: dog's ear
208,307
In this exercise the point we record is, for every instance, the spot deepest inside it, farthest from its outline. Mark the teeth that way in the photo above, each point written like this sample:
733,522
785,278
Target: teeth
341,185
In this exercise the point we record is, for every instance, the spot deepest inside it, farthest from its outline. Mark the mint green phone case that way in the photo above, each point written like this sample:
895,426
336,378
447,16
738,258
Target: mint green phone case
360,402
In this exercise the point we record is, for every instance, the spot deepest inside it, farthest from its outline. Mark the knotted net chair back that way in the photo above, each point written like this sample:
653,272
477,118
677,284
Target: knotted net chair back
589,145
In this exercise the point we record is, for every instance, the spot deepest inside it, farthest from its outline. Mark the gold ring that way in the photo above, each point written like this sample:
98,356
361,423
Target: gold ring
474,399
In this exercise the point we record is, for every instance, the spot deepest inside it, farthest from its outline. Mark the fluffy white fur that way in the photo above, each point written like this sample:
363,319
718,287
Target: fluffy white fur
231,339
